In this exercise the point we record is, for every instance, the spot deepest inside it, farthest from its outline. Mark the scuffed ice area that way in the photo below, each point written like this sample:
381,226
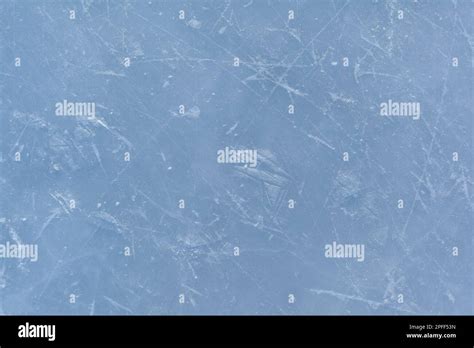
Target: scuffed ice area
360,113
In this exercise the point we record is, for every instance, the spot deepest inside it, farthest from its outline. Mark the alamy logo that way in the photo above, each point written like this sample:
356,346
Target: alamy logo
19,251
392,108
228,155
37,331
335,250
66,108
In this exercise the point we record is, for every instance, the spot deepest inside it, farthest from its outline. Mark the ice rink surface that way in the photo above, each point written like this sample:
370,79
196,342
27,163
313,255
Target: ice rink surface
236,157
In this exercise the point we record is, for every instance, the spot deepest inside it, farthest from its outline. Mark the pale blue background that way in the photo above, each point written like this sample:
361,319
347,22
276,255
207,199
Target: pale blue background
190,251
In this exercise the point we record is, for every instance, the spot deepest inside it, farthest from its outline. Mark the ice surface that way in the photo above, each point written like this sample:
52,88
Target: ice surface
133,214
